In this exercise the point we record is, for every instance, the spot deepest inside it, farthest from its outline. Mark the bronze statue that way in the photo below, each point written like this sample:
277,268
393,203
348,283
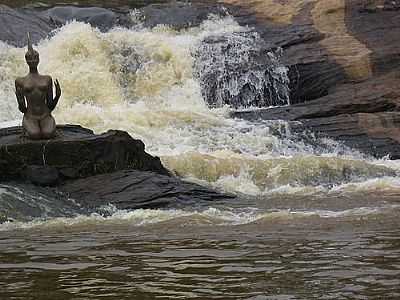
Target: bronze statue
37,90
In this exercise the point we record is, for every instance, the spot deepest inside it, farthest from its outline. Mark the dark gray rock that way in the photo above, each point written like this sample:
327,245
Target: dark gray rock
179,15
375,95
25,202
132,189
101,18
364,116
376,134
15,23
87,172
128,189
75,153
42,175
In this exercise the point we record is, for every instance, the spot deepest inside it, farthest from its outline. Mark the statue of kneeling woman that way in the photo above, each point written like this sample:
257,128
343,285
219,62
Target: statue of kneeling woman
35,99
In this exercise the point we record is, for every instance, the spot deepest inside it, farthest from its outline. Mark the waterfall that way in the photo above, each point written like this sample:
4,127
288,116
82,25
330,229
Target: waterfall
238,70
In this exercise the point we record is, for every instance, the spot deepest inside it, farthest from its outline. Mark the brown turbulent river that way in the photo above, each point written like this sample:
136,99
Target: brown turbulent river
312,220
282,257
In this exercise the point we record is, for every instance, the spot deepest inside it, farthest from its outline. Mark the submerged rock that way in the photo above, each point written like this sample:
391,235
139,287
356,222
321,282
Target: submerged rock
76,152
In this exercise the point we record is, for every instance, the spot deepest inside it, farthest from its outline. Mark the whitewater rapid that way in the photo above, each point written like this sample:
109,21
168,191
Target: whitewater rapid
147,82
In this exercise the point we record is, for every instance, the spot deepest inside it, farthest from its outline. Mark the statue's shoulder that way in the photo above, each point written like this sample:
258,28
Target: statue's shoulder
48,78
20,81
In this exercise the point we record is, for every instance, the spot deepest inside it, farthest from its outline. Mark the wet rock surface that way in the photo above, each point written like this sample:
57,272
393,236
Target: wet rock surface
16,22
364,116
102,18
132,189
376,134
241,70
179,15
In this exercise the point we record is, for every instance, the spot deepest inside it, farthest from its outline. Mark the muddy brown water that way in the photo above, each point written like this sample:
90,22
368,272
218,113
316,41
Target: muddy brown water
281,254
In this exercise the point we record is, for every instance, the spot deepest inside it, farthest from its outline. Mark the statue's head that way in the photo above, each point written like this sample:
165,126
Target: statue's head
31,56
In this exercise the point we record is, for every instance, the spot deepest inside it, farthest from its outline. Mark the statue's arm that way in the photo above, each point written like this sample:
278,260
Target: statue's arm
19,93
52,102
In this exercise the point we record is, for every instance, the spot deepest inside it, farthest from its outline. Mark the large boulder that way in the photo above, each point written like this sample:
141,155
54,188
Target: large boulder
76,152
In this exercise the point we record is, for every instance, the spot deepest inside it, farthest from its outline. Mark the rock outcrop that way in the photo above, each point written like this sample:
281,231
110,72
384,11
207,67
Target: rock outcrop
16,22
344,66
75,153
95,170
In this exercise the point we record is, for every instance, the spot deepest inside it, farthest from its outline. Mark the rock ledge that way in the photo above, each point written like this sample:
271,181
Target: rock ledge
75,153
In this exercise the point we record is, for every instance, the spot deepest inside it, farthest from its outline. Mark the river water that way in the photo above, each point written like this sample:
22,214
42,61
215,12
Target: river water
313,218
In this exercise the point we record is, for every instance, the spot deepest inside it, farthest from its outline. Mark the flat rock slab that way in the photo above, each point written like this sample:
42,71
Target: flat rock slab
377,134
75,153
132,189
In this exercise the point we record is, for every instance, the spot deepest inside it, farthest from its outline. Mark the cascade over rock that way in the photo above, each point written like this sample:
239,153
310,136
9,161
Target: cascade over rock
344,65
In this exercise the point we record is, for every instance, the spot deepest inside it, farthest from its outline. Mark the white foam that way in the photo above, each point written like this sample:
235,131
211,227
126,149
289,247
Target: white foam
10,123
209,217
379,185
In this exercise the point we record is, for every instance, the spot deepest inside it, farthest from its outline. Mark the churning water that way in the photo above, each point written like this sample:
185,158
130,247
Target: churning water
174,90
